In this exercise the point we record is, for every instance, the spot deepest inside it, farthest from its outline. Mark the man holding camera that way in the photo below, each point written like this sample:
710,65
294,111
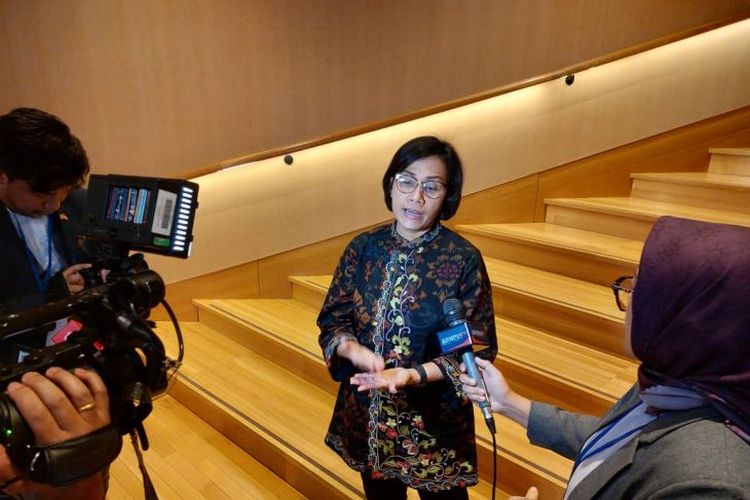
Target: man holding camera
42,165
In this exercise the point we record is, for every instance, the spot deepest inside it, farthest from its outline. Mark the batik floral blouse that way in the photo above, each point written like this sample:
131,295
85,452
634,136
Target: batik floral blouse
387,294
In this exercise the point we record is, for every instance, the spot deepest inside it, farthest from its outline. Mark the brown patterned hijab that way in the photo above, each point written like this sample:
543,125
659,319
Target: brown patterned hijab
691,313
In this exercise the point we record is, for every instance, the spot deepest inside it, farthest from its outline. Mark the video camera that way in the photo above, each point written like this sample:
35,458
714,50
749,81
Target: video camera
107,327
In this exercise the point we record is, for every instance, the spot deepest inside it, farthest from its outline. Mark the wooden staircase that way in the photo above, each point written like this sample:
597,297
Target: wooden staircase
254,371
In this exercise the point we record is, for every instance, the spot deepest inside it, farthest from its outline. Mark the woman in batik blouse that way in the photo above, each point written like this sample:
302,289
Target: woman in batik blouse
400,417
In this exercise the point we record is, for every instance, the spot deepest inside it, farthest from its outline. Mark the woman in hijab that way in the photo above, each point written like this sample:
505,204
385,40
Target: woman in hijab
683,431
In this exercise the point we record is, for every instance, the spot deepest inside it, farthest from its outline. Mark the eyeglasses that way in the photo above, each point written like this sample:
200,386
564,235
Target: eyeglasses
408,184
624,284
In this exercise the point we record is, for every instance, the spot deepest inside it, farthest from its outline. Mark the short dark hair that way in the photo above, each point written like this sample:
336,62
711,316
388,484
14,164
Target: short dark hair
424,147
38,148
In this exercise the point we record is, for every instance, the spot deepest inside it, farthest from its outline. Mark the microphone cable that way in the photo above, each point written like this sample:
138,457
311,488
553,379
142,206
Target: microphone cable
494,464
494,441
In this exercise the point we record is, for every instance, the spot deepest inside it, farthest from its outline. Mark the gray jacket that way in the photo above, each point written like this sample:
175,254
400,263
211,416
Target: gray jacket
681,455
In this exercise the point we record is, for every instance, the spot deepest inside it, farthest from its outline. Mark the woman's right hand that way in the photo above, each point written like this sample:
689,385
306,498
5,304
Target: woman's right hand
361,357
494,383
502,399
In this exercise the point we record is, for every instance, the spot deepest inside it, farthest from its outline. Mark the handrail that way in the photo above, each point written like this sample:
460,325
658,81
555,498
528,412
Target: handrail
463,101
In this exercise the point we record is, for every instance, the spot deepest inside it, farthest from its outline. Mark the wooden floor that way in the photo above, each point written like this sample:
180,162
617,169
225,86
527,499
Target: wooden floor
188,459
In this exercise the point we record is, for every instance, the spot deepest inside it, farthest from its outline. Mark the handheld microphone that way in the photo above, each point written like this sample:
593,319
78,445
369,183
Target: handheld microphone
458,337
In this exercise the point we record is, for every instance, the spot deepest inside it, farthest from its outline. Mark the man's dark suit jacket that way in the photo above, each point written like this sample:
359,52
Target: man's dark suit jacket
18,288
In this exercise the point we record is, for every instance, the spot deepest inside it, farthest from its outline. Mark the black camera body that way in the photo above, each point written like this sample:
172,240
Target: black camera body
114,339
112,334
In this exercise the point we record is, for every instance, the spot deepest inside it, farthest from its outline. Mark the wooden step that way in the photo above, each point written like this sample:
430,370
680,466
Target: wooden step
732,161
586,255
513,457
548,368
274,415
695,189
280,329
190,459
281,418
310,290
572,309
628,217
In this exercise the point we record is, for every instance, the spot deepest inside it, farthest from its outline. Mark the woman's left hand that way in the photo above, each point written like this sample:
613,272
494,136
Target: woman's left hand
392,379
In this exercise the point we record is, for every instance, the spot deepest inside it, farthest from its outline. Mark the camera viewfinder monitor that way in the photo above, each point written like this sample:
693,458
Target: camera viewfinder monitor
144,213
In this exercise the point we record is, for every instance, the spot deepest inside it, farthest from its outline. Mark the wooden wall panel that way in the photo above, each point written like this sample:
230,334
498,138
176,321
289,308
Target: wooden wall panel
240,282
267,207
319,258
510,202
168,86
681,150
684,149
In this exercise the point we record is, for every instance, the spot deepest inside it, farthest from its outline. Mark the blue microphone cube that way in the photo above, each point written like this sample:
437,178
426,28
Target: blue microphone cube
454,338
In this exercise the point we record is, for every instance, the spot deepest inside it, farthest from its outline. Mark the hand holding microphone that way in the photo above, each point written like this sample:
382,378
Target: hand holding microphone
490,387
493,387
458,337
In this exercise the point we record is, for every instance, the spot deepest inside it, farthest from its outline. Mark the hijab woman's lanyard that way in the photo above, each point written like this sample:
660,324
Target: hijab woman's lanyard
591,448
42,282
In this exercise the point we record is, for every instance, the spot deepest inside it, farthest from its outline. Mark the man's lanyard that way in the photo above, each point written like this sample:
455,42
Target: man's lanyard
42,282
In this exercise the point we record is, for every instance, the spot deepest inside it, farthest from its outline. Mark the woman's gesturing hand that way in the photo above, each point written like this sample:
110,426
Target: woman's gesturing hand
392,379
361,357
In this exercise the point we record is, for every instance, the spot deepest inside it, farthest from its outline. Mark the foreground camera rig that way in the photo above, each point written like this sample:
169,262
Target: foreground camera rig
107,327
114,339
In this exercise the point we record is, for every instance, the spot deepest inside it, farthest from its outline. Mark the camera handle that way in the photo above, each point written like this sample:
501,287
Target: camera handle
61,463
70,461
